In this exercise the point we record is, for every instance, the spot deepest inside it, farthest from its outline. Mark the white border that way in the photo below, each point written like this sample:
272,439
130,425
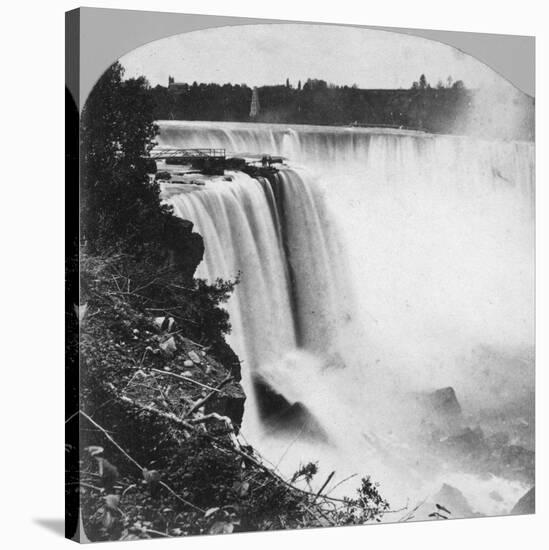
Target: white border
32,269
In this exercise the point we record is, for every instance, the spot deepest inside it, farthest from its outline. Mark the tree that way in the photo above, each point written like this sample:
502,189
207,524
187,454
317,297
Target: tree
120,206
422,82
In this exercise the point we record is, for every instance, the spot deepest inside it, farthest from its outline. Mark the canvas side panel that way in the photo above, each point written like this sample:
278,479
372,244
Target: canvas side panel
72,389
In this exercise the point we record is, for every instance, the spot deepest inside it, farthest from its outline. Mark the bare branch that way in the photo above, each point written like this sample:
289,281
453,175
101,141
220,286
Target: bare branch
204,400
324,485
168,373
135,463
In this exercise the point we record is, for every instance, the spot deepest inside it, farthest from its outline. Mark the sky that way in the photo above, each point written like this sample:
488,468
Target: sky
259,55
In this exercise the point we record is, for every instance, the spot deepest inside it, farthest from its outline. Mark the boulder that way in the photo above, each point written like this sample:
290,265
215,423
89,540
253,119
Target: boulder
169,346
453,500
194,357
163,176
223,353
467,442
519,460
439,411
228,402
165,324
187,247
526,504
444,402
497,440
282,416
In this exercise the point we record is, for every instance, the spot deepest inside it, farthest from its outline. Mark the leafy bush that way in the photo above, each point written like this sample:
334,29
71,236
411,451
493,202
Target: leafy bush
227,492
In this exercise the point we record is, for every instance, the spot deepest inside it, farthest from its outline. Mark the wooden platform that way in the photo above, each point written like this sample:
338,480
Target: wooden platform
190,155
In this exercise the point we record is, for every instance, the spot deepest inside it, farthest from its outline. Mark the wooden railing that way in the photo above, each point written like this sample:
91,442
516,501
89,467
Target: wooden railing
190,154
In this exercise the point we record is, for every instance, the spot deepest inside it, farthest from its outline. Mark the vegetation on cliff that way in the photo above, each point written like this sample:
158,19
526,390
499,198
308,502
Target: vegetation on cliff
160,404
160,414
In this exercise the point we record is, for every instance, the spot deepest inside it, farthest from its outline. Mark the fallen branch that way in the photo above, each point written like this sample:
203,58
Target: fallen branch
214,416
168,373
109,437
190,426
149,408
204,400
321,514
175,315
84,484
324,485
340,483
274,475
116,283
135,463
410,514
290,446
196,343
228,422
160,308
158,533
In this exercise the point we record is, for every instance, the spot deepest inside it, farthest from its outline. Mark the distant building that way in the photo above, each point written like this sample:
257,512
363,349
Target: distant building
176,87
254,107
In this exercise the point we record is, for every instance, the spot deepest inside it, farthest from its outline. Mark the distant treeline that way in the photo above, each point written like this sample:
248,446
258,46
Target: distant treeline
445,108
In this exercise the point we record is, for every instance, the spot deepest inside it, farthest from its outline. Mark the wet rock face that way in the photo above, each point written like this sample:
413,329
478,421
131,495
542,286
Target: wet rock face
477,449
187,247
454,500
479,454
282,416
208,368
444,402
224,353
518,459
439,412
229,402
469,442
214,369
526,504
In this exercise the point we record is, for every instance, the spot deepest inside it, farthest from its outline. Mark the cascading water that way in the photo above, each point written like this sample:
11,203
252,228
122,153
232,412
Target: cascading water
376,264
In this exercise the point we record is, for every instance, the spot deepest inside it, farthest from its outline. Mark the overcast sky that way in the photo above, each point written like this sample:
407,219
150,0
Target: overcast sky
268,54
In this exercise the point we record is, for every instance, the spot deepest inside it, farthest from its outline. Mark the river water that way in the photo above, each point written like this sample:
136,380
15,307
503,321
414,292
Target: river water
375,265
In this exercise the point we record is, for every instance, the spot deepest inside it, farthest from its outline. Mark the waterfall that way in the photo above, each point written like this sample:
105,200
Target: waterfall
276,237
375,263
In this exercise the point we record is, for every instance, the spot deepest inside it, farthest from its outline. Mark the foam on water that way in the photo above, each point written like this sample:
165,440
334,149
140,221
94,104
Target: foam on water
375,264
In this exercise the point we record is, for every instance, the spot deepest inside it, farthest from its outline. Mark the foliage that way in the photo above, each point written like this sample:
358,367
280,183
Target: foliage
231,494
122,282
119,205
448,107
367,506
317,102
306,472
120,200
129,237
225,490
